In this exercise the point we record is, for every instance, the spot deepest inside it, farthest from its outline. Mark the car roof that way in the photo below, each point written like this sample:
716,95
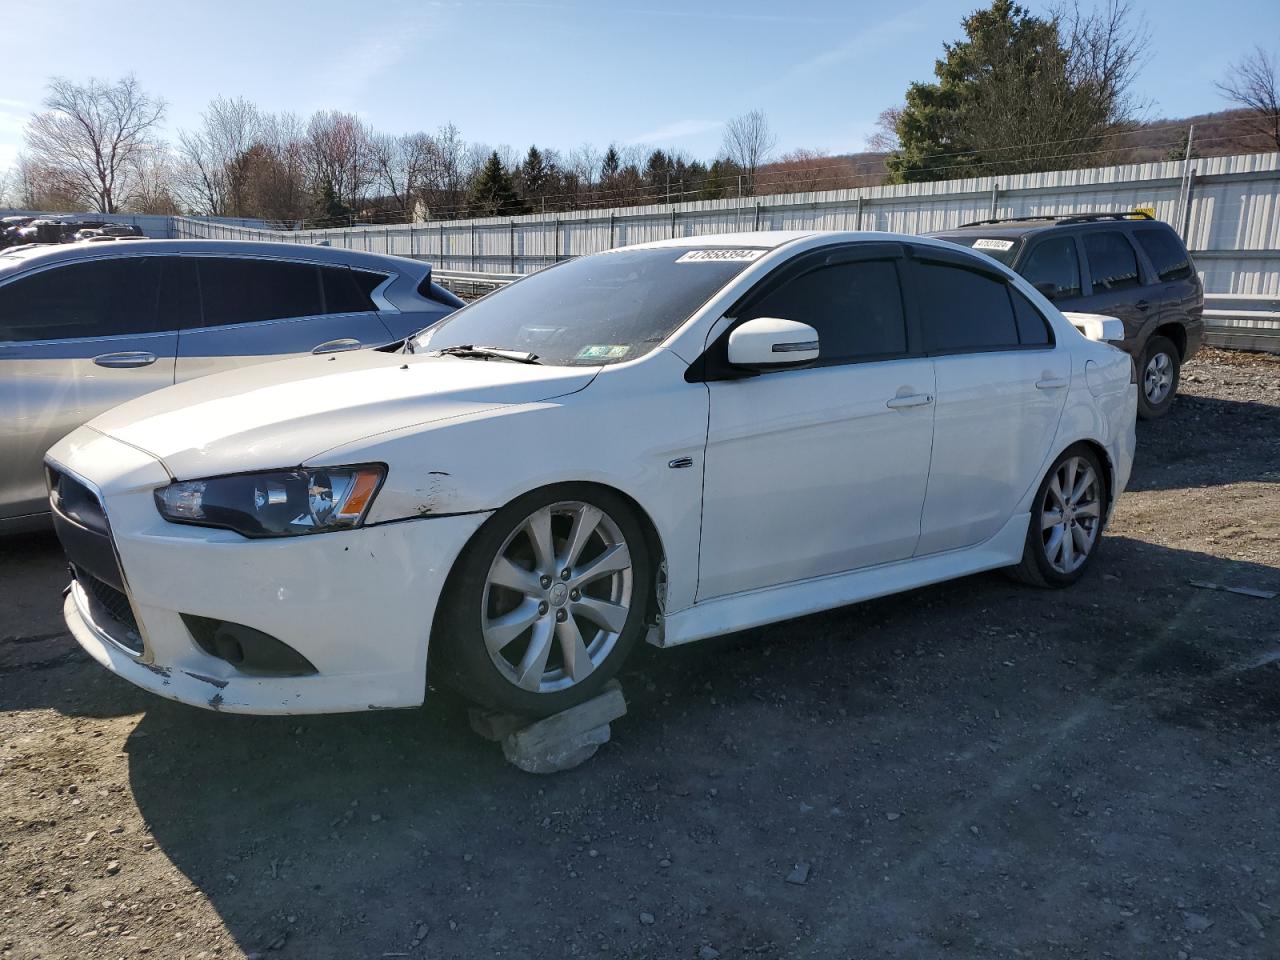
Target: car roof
768,239
15,258
1025,226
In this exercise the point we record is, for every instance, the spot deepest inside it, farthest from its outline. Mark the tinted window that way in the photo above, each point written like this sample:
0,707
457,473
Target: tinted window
1166,253
92,299
249,291
963,309
601,309
1001,249
179,295
368,282
855,307
1053,268
1112,263
341,292
1033,329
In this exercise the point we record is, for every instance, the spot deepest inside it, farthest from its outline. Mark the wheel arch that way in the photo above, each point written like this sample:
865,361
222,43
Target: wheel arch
1100,451
1175,332
653,540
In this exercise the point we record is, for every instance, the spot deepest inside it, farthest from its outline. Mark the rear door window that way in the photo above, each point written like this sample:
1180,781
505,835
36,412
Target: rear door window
855,307
963,310
1166,253
1113,265
96,298
250,291
1053,268
1033,328
342,292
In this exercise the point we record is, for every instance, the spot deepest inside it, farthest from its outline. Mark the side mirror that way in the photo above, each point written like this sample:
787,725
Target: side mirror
769,343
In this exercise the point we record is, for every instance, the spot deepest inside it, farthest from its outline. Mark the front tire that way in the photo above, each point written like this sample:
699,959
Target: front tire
1067,516
547,600
1159,373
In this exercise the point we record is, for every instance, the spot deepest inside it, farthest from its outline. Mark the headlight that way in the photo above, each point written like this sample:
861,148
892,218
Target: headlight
280,503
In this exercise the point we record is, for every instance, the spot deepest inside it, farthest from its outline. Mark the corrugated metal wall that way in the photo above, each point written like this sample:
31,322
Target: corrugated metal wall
1227,209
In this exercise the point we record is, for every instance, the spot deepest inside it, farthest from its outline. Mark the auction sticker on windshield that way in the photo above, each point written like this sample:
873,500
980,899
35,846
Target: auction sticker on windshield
742,256
992,244
603,351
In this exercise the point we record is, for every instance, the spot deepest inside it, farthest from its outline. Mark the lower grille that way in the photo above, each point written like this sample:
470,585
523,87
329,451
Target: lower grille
114,604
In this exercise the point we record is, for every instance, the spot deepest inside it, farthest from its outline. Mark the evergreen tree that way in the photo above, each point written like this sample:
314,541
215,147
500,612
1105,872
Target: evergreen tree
535,176
1011,97
610,165
493,193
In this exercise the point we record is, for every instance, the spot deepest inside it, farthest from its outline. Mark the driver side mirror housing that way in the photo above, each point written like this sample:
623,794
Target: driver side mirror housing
771,343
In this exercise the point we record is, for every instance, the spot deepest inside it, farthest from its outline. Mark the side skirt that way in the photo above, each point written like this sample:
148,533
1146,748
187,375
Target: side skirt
741,611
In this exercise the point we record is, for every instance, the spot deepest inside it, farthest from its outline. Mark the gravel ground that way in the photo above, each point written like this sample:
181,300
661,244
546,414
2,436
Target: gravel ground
970,770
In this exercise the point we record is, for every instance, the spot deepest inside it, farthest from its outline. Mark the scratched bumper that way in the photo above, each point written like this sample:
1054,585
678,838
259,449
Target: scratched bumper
358,604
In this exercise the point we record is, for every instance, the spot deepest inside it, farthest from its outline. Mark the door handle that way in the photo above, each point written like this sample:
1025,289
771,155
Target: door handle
912,400
337,346
128,358
1142,304
1051,383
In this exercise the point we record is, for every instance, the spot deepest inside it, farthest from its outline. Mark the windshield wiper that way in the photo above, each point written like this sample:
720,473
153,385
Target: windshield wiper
488,353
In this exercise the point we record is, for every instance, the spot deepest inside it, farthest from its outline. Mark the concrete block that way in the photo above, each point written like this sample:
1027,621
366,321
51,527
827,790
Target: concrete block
566,739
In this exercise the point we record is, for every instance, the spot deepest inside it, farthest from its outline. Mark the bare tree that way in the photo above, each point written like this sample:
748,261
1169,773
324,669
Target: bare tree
151,183
277,185
885,139
214,171
1254,86
38,188
748,141
8,188
341,160
90,136
400,168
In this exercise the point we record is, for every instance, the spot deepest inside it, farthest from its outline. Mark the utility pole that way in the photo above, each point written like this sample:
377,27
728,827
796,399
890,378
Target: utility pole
1184,196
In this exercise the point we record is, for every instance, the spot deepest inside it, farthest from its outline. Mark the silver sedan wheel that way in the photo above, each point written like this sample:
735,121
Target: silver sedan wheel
557,596
1157,379
1072,515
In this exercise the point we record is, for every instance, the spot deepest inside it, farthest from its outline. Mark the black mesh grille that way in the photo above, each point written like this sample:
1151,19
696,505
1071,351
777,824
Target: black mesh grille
76,501
115,603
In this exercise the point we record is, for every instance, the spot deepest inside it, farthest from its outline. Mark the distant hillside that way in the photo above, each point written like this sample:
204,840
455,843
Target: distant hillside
1216,134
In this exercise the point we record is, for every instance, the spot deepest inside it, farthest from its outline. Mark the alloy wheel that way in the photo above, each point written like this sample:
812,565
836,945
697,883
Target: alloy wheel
557,596
1071,516
1157,379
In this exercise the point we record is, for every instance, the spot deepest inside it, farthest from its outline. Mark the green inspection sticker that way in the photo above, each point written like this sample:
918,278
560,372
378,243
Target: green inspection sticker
603,351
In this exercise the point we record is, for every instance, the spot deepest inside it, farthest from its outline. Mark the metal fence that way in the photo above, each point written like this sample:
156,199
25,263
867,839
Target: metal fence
1226,208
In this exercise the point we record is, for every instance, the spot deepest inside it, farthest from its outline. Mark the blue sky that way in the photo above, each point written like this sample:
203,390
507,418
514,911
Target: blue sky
653,72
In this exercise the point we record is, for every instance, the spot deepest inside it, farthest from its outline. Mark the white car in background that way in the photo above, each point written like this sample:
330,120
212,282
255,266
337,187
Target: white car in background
674,440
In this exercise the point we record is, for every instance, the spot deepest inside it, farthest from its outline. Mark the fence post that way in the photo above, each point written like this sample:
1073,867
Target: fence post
757,220
857,213
555,242
673,221
511,245
473,245
995,197
412,248
442,243
610,229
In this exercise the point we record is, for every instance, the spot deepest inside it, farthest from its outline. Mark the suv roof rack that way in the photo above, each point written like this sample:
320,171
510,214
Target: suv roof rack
1064,218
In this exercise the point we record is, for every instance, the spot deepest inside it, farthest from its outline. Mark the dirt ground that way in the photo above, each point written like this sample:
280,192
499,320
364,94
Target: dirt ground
975,770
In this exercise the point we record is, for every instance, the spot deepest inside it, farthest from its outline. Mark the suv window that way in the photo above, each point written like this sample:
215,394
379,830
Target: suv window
250,291
855,307
1053,268
342,293
963,309
96,298
1166,253
1113,265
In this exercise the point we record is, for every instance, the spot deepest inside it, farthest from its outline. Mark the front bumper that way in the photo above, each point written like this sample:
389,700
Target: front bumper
357,604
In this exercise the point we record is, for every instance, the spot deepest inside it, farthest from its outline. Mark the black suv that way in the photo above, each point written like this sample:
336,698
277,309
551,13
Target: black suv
1125,265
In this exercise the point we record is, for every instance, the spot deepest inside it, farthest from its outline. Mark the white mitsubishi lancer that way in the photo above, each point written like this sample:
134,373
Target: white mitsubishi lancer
667,441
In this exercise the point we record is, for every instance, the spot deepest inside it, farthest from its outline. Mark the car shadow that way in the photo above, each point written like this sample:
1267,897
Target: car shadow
378,834
1207,442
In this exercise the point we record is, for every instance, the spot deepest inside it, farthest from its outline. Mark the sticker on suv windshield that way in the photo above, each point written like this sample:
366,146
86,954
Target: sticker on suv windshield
603,351
736,256
992,244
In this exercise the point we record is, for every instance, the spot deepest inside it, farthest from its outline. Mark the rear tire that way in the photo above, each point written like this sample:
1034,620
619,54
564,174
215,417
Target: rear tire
547,600
1067,518
1158,374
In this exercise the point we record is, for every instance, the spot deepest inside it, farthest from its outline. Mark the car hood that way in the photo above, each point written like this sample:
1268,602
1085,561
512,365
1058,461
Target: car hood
282,414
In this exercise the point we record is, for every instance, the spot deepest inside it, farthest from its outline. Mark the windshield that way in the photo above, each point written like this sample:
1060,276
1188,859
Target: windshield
1003,249
593,310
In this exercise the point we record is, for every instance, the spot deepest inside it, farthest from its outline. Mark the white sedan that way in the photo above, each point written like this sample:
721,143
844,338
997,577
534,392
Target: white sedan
668,441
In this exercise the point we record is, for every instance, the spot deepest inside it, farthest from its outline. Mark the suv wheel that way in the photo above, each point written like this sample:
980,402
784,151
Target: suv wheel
1158,378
